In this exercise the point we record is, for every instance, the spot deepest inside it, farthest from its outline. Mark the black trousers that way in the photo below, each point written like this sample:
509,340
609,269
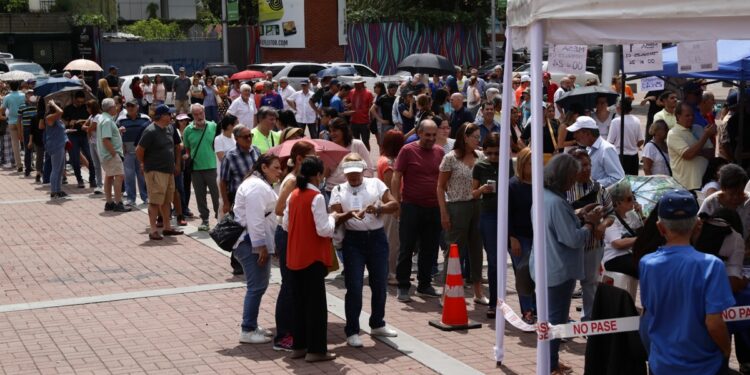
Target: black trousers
310,327
630,164
236,266
622,264
418,225
362,132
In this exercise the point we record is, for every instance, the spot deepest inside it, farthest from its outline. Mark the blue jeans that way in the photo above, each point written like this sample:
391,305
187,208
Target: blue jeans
178,185
284,302
57,164
132,172
257,281
365,249
591,261
80,146
27,153
47,170
558,298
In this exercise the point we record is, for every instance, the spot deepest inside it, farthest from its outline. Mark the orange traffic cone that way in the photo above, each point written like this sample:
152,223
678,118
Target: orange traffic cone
454,305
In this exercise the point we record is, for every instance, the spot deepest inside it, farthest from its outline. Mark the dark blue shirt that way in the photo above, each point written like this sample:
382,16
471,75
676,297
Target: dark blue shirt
133,130
484,132
272,100
458,118
679,287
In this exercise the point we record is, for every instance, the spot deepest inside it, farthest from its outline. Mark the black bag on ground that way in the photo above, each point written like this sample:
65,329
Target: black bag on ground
226,232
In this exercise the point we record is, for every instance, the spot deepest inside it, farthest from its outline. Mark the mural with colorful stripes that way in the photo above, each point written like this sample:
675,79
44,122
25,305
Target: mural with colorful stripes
383,45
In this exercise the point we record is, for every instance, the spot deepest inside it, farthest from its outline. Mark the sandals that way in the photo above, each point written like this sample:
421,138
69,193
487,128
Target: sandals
155,236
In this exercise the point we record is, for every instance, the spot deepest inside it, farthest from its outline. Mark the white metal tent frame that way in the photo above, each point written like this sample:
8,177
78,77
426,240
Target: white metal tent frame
531,23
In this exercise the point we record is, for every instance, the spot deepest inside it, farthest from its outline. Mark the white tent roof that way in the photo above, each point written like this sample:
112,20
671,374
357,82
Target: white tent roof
629,21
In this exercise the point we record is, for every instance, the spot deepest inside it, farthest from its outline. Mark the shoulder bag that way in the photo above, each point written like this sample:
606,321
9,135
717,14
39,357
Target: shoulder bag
189,161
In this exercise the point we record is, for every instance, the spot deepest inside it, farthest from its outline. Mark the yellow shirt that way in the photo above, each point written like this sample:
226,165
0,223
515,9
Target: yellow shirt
667,117
689,173
264,143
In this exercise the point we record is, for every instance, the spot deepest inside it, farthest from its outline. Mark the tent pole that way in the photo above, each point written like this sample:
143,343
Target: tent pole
502,199
622,98
537,197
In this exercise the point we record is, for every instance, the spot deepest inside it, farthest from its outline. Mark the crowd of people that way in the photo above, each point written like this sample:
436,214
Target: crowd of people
433,183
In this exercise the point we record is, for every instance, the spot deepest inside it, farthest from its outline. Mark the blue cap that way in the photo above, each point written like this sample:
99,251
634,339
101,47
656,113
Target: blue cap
304,82
334,82
112,67
162,110
677,204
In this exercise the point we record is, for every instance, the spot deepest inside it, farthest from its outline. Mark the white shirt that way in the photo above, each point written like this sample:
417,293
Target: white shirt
604,125
223,144
633,134
148,92
324,223
253,208
285,94
652,152
370,192
617,231
337,176
305,114
245,112
557,95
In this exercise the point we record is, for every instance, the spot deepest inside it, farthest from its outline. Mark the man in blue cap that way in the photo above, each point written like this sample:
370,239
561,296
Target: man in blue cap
156,152
683,293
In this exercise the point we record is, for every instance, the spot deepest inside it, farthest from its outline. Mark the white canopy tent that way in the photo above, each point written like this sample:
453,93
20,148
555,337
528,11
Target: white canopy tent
532,23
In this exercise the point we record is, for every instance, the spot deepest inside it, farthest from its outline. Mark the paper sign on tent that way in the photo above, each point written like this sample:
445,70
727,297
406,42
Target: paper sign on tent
698,56
565,58
651,84
642,57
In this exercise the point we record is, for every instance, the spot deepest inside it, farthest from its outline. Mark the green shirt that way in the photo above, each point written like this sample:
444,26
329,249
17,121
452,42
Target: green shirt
108,129
203,156
264,143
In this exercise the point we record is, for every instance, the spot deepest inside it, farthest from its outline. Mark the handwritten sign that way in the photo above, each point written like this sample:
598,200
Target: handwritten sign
652,84
564,58
697,56
642,57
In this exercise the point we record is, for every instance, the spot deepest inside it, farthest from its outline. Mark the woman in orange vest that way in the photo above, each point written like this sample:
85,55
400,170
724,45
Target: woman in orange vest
309,254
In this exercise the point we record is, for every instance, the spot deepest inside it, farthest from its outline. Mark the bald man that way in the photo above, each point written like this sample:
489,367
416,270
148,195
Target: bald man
460,114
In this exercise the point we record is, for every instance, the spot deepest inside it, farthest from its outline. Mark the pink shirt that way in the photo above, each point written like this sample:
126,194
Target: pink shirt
420,169
361,102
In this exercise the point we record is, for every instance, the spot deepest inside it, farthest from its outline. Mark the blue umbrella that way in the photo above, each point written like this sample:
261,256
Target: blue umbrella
45,87
337,71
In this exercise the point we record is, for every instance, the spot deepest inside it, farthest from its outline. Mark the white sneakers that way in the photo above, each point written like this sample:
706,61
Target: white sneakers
384,332
259,336
354,341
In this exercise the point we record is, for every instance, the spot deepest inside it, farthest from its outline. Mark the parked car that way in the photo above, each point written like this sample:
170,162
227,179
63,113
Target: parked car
167,78
219,69
367,74
556,76
156,69
23,65
295,72
6,56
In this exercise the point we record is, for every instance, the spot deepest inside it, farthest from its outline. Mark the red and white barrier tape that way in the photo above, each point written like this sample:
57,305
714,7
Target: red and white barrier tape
546,331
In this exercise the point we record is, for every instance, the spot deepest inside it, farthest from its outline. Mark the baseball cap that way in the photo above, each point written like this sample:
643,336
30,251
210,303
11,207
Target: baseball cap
305,82
356,166
546,75
162,110
182,69
583,122
112,67
131,103
183,116
677,204
525,78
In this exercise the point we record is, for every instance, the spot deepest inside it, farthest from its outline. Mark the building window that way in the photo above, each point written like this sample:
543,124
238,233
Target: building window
46,5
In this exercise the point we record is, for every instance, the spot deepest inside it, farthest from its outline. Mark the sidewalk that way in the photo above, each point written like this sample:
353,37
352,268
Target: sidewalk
84,291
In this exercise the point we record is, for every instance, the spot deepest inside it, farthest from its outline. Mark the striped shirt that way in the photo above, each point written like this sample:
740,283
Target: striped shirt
236,165
580,190
27,113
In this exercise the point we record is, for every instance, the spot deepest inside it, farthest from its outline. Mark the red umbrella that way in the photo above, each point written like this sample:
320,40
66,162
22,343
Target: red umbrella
247,74
330,153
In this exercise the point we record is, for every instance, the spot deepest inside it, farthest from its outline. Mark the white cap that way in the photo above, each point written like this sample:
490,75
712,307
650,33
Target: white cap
583,122
497,67
356,166
525,78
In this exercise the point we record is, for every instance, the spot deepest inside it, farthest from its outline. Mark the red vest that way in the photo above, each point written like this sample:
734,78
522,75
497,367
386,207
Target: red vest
305,246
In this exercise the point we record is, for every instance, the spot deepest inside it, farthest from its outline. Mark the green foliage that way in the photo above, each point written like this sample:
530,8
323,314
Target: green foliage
154,29
62,6
90,20
248,11
152,9
430,13
14,6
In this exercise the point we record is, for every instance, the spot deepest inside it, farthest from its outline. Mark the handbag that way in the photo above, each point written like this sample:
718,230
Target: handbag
226,232
189,160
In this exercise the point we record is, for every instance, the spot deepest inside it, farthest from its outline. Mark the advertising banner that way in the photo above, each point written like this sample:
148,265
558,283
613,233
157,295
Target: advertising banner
282,23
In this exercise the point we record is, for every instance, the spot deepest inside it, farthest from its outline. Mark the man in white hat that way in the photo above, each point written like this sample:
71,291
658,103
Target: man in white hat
605,164
361,100
525,83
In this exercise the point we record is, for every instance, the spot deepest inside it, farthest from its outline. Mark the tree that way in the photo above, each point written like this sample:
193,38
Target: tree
248,10
152,9
14,6
154,29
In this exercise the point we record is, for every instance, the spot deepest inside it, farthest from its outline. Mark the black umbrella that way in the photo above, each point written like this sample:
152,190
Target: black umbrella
585,97
427,63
